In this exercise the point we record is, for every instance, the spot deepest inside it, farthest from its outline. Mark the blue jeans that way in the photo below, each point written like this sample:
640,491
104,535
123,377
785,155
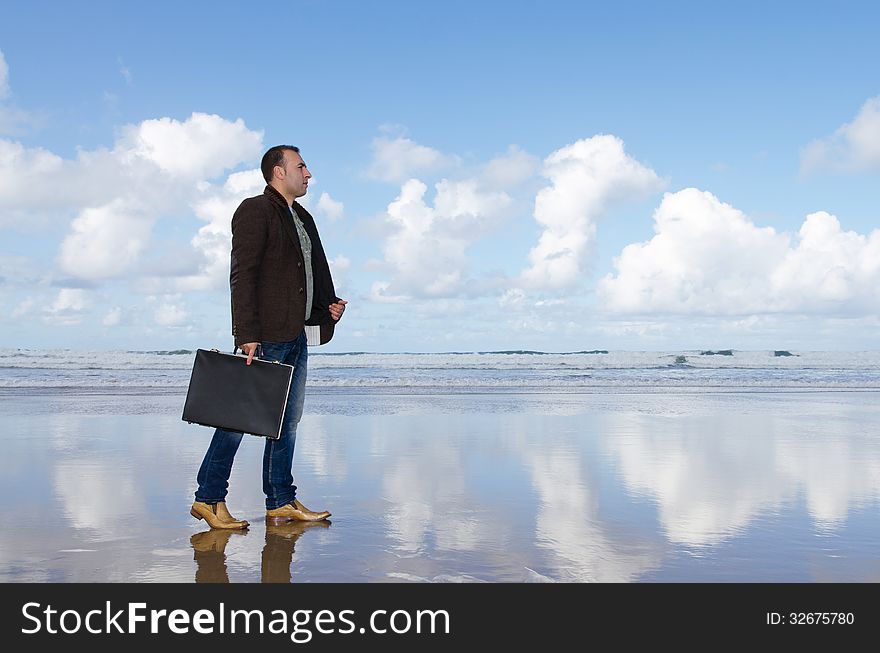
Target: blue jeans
278,484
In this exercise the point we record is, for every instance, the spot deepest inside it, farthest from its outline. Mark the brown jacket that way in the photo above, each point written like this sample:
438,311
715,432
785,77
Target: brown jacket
266,273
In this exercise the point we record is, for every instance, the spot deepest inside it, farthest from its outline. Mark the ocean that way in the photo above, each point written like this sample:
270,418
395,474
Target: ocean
66,370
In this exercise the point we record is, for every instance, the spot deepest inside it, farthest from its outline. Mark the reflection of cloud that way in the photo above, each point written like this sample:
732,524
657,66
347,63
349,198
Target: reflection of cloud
712,475
421,491
317,449
427,495
433,506
701,499
568,521
99,495
836,476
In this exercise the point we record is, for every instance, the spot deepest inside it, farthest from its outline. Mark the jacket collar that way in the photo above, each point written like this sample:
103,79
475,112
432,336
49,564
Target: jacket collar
278,199
275,196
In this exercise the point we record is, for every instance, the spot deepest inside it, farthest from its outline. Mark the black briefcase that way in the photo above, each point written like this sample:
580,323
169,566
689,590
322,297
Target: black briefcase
227,393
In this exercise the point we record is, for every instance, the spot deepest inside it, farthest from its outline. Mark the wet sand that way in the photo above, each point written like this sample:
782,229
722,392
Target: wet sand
726,487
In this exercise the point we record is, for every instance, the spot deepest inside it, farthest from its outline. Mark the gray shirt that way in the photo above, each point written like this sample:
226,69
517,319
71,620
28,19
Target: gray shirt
306,244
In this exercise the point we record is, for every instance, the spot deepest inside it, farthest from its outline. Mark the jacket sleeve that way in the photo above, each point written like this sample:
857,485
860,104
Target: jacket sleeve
249,235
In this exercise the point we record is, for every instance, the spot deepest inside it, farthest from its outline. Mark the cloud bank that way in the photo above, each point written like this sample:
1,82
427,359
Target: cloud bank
709,258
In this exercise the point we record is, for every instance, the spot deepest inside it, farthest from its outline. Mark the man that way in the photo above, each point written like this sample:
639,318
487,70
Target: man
282,300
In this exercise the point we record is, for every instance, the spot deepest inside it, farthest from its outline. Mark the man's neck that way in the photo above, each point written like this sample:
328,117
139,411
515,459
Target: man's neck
287,198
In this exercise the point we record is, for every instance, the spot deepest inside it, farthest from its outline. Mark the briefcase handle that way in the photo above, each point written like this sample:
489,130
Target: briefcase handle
259,353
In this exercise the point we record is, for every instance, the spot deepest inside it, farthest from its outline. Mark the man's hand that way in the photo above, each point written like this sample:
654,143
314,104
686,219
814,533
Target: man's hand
337,309
250,348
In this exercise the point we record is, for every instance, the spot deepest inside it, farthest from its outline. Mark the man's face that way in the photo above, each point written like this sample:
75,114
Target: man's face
294,174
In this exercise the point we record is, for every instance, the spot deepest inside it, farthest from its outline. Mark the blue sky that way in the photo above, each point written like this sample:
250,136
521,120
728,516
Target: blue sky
555,176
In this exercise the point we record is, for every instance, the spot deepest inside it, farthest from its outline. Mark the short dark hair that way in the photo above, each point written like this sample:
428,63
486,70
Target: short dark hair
274,156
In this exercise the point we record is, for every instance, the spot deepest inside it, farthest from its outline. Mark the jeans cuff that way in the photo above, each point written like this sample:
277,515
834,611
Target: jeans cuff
210,501
272,505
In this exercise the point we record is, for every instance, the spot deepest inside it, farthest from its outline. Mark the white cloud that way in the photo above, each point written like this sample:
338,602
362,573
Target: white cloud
68,307
339,268
829,268
329,207
201,147
244,183
12,119
4,77
427,251
21,170
213,240
339,264
853,146
586,178
380,291
105,241
112,317
709,258
24,307
512,298
93,178
396,159
168,314
72,299
156,168
511,169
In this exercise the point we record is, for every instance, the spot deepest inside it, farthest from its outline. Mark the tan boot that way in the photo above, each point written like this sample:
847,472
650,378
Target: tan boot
322,514
294,512
209,512
223,513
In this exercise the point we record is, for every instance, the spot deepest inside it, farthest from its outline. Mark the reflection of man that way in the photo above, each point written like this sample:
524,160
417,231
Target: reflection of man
209,551
278,552
282,300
